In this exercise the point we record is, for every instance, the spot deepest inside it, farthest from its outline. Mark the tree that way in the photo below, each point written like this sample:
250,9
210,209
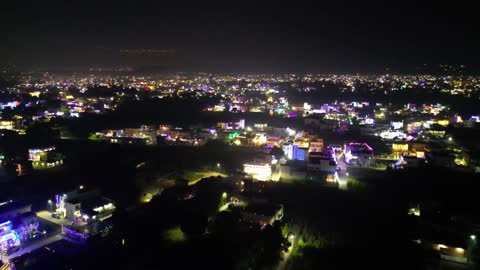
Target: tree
194,224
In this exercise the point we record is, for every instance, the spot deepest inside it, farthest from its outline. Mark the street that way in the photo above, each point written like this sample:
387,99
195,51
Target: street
36,245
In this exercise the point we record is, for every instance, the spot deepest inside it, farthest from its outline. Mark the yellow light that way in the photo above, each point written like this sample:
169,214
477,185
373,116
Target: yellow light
443,122
35,94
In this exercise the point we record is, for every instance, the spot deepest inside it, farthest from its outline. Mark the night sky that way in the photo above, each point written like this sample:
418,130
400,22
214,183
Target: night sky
346,37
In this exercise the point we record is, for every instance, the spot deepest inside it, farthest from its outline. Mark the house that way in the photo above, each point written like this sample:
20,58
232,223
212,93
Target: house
359,154
17,223
84,205
409,149
258,171
262,213
316,145
318,161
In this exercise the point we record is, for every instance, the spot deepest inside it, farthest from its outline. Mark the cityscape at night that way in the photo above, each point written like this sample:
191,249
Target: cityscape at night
246,138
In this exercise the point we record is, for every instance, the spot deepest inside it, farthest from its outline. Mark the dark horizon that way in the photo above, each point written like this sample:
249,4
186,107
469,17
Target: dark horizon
365,38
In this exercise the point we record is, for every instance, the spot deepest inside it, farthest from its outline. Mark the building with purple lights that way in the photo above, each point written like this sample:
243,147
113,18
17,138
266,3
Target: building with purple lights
358,154
17,224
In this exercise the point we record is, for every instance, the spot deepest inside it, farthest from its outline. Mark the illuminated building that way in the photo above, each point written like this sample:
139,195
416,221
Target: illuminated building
322,166
219,108
259,139
409,149
11,105
393,135
260,127
472,122
443,122
143,135
45,157
302,143
17,223
83,205
307,107
258,171
232,125
435,133
273,141
302,153
316,145
396,125
8,237
39,154
10,125
290,150
360,154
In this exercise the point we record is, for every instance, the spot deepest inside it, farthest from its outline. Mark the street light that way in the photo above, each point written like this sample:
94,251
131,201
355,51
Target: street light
473,237
51,205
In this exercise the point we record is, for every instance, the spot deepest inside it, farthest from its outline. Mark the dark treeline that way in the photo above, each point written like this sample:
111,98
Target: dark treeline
176,111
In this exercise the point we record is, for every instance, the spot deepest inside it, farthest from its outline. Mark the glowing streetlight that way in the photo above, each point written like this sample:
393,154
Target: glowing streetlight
473,237
51,205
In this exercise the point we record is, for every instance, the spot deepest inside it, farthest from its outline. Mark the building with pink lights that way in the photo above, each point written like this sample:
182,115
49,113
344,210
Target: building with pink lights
358,154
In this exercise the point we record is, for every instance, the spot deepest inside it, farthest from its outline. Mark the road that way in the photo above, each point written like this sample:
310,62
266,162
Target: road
36,245
286,254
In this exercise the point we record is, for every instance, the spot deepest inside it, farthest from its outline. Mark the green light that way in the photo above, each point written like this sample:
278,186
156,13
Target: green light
233,135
